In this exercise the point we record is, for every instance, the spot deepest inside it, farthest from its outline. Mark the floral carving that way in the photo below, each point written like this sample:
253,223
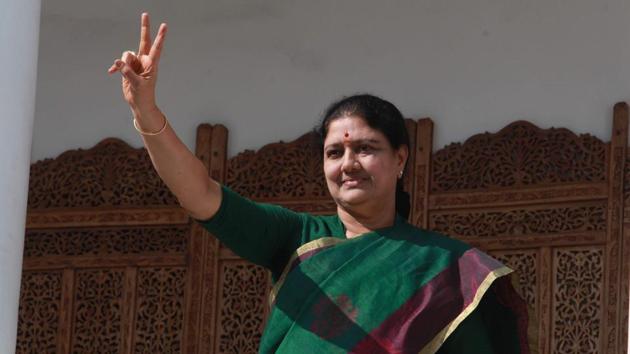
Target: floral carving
110,174
519,155
519,222
106,241
38,321
160,310
98,311
243,293
577,312
280,171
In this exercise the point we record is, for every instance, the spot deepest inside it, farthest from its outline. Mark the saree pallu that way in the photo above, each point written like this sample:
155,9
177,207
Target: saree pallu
395,290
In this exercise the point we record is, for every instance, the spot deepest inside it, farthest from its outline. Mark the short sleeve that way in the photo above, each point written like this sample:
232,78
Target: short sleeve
264,234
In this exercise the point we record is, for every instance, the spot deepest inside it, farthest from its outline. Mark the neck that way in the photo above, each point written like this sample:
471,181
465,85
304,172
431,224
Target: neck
357,222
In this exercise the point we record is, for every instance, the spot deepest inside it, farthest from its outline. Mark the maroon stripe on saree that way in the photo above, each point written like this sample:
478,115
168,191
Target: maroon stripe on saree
432,307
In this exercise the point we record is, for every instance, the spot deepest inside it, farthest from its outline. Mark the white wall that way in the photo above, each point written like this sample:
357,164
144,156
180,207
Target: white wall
267,69
19,30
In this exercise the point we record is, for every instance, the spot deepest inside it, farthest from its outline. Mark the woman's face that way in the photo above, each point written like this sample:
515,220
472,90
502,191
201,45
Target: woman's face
360,166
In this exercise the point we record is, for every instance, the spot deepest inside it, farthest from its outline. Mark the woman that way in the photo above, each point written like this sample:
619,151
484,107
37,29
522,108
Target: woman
362,280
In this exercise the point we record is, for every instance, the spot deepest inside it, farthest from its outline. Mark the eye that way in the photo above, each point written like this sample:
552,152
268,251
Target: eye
365,148
333,153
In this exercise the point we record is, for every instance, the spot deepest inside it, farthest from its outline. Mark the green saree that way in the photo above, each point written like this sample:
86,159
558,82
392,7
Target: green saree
395,290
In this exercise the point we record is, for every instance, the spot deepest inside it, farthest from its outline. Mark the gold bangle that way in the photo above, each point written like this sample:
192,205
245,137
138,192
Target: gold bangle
135,124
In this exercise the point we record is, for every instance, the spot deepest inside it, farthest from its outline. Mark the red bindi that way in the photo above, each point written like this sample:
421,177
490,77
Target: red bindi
346,135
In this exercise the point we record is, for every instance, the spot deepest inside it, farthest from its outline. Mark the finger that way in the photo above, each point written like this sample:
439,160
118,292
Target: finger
132,61
112,69
156,48
125,57
145,35
128,56
128,73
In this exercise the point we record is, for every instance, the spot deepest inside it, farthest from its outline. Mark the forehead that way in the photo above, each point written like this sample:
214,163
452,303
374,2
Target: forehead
351,128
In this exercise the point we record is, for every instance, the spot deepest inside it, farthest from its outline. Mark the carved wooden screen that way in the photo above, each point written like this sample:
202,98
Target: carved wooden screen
549,204
105,266
112,264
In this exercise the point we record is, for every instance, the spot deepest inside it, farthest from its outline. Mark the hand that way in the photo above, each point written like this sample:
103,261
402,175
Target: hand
139,71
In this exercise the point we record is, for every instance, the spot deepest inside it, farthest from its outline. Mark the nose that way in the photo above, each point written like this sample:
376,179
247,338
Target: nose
350,162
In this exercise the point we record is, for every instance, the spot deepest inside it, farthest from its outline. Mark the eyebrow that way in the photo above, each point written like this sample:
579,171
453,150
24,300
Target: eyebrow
355,142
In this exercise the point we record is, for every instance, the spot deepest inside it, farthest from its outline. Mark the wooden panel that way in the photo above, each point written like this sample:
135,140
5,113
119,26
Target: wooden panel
67,304
111,174
520,155
159,310
61,218
578,294
625,291
40,263
280,170
218,151
409,175
523,196
545,307
526,188
521,221
242,301
98,311
209,337
196,256
536,241
194,289
422,169
218,171
104,242
39,310
613,302
94,217
129,313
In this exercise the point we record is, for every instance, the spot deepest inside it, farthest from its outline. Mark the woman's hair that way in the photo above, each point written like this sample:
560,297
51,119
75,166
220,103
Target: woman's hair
381,115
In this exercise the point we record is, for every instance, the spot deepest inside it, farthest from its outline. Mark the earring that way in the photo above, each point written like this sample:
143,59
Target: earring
400,174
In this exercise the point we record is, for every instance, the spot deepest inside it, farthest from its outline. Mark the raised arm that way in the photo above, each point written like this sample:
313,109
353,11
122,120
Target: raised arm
183,173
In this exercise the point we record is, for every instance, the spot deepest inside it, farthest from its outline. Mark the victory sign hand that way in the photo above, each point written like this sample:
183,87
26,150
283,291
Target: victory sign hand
139,70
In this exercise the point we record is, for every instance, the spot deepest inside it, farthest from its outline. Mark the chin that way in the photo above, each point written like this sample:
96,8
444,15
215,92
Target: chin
352,197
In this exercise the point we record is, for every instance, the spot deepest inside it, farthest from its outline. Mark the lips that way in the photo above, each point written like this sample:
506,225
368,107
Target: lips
352,182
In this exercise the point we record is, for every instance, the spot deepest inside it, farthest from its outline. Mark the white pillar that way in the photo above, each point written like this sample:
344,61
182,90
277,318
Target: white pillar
19,37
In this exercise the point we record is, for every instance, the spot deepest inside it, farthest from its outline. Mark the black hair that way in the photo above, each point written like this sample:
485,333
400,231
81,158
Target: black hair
381,115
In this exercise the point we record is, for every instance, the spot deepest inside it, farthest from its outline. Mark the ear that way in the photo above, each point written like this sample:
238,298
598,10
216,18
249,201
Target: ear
401,156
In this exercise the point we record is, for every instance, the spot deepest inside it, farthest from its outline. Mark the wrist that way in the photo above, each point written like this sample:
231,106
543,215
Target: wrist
145,112
151,133
148,119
